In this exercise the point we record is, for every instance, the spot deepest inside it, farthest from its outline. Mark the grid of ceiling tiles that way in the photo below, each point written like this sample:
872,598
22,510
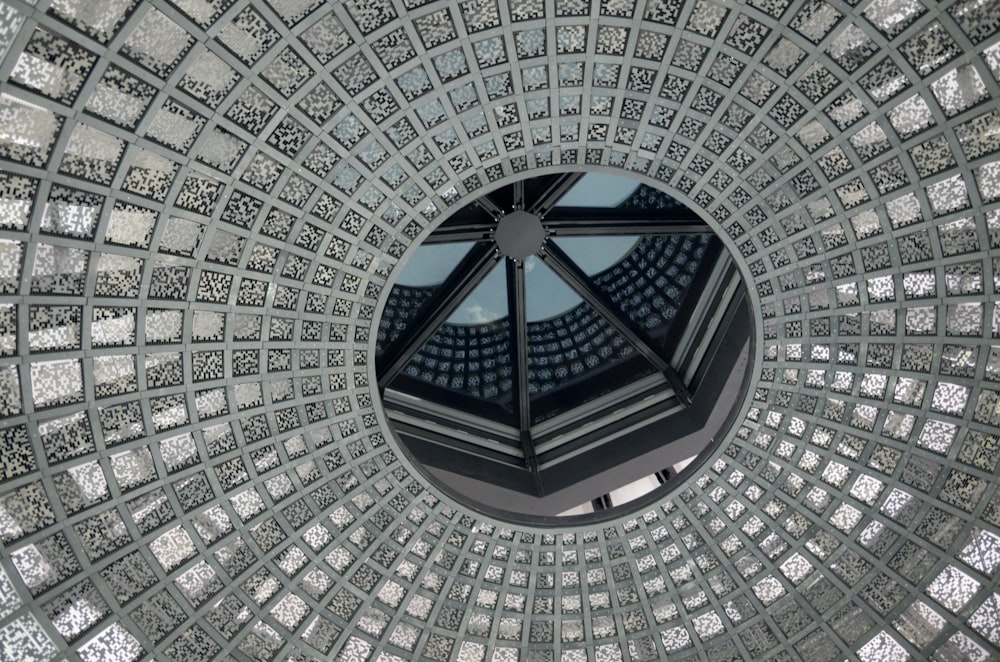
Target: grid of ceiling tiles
203,203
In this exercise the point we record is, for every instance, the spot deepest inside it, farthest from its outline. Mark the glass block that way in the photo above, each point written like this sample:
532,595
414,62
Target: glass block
985,620
959,89
31,131
930,49
172,548
326,37
157,43
56,382
892,16
964,319
133,468
53,67
114,642
248,36
24,638
883,647
287,72
708,625
953,588
911,116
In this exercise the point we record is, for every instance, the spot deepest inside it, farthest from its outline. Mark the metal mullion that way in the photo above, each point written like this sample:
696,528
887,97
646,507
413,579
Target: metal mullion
626,228
518,194
554,193
476,222
491,208
651,217
721,317
722,270
565,268
472,231
517,309
469,273
456,419
496,451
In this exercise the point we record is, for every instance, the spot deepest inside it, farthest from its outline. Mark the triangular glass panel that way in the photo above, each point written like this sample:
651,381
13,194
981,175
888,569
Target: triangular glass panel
574,354
427,268
466,363
431,264
599,190
487,303
652,283
546,294
596,254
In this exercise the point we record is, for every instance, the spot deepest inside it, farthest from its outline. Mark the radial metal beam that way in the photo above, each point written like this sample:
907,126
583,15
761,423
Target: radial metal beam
493,209
474,222
462,230
597,221
517,308
576,222
518,194
464,443
565,268
552,194
469,273
432,413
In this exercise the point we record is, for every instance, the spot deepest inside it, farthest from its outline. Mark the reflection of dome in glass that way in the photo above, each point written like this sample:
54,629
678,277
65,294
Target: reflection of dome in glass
204,205
593,322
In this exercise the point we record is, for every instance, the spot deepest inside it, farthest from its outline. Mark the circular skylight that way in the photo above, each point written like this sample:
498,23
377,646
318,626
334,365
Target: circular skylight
565,342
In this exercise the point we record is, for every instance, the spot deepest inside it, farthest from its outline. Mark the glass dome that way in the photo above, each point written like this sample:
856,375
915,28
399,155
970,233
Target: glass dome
204,205
599,333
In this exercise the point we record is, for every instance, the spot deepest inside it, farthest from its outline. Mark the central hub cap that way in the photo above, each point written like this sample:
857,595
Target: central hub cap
519,234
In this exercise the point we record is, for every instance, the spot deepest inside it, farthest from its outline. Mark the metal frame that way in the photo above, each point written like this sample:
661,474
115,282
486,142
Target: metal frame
469,273
517,310
594,441
557,260
477,221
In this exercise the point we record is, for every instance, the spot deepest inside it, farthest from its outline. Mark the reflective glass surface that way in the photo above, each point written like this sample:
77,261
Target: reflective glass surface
595,254
586,307
203,207
431,264
487,303
599,189
547,295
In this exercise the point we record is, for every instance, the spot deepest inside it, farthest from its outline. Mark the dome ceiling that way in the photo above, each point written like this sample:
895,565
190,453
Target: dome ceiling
203,204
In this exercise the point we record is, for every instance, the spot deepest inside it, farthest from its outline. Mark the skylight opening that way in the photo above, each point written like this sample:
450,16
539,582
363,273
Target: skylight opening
546,327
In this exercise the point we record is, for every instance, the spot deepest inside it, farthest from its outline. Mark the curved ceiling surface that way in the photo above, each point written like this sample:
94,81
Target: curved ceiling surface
203,202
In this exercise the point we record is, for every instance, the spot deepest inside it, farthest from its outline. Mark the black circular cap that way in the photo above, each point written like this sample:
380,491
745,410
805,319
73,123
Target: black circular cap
519,234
